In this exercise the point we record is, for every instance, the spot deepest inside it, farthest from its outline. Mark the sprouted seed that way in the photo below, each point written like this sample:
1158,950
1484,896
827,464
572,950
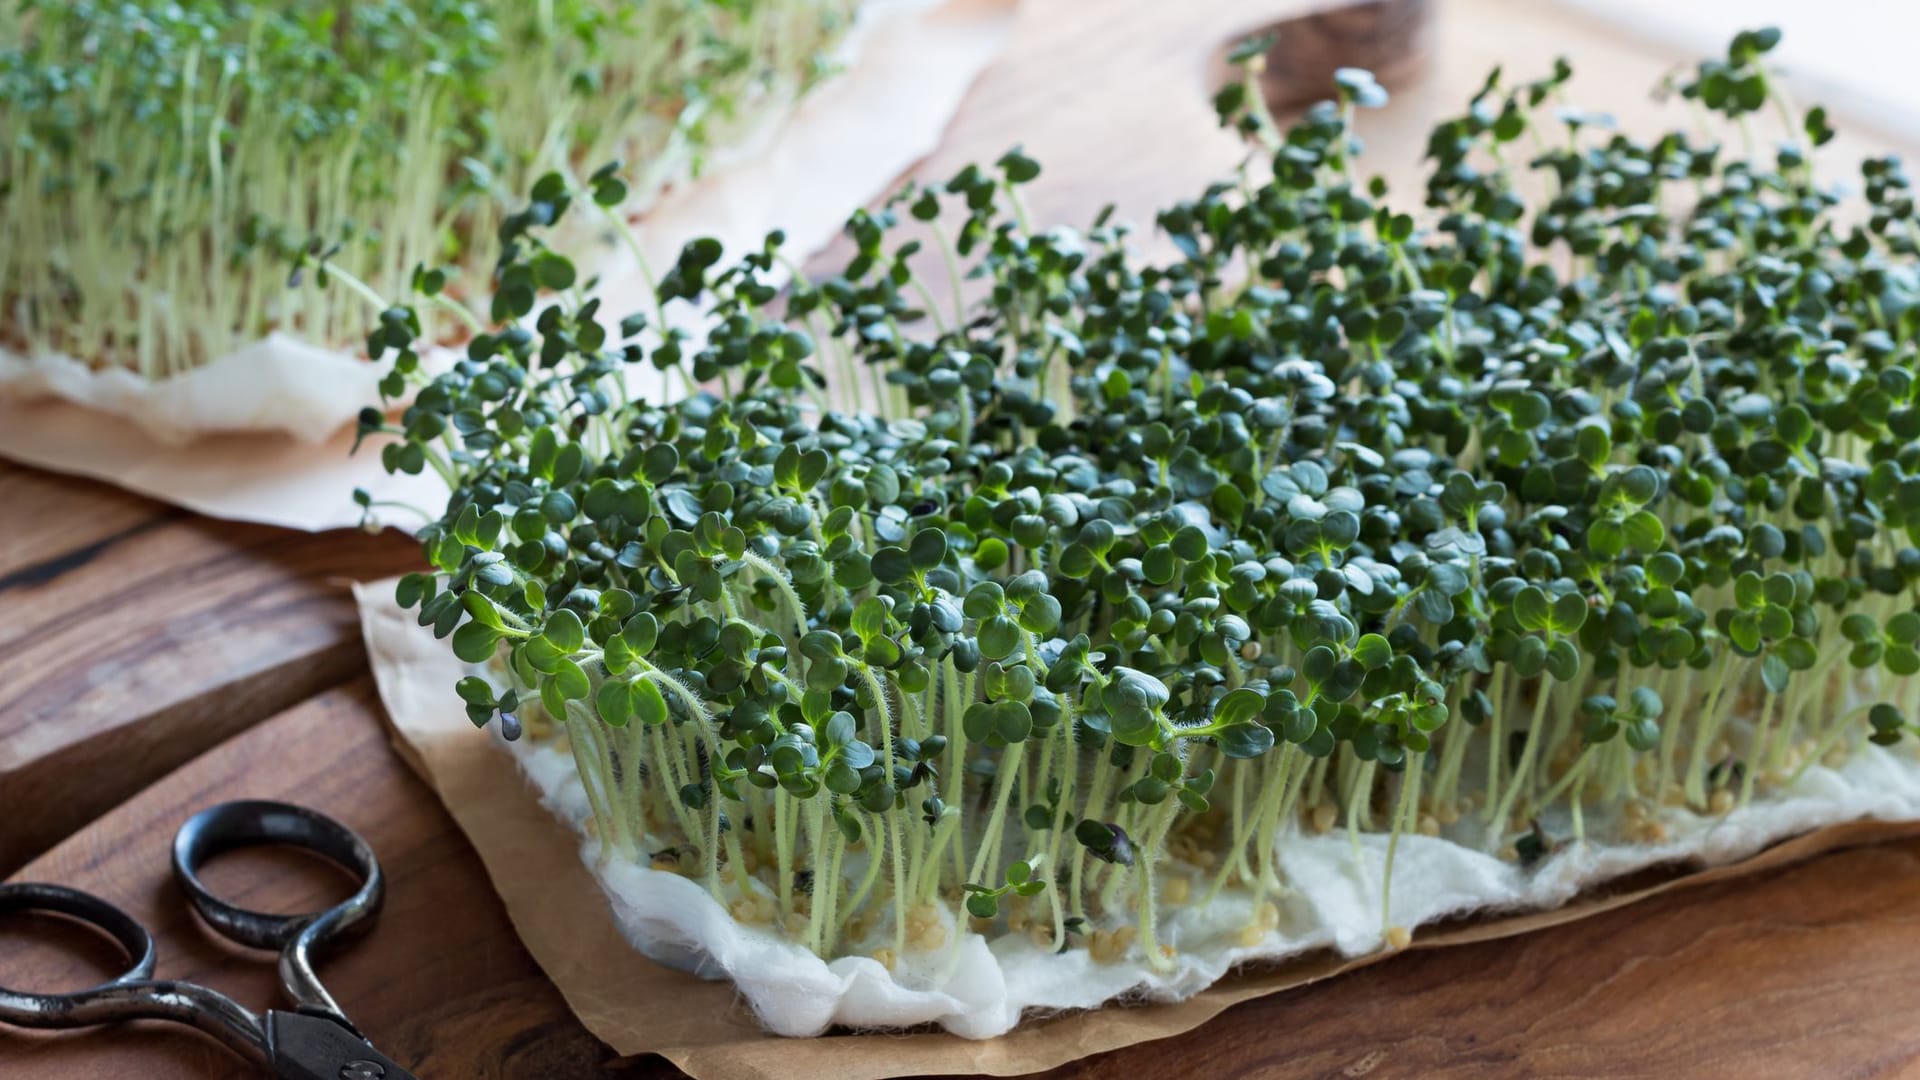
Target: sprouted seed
166,166
1488,518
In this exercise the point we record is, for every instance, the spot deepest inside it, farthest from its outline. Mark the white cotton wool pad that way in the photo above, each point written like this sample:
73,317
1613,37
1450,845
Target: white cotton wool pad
977,988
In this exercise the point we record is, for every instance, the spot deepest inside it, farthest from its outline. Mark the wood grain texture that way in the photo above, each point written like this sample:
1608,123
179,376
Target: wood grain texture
1386,37
136,635
1798,973
63,518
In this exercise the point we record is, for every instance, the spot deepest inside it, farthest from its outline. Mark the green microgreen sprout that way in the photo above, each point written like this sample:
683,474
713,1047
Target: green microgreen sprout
166,164
1503,519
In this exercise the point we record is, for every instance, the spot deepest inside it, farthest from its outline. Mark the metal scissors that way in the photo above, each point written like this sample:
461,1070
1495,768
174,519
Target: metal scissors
314,1040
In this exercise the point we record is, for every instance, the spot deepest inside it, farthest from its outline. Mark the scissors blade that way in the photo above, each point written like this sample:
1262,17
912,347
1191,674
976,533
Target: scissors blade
303,1047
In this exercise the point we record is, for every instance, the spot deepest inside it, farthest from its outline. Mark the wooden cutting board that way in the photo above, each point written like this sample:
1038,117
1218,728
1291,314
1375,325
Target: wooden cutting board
134,635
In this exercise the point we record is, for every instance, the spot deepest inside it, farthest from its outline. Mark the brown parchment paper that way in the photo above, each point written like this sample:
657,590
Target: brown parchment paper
637,1006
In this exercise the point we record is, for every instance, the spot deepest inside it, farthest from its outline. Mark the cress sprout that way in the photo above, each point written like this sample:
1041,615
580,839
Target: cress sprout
166,165
1092,596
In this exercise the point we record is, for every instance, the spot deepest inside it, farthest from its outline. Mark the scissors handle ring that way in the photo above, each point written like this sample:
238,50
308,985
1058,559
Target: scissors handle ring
260,821
315,1040
42,1010
135,995
250,822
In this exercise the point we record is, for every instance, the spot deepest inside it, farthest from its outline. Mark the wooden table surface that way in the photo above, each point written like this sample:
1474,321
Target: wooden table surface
136,635
153,662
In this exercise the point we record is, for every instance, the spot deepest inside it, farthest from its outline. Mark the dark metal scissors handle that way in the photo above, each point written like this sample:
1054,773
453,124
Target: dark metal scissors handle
297,937
135,995
315,1039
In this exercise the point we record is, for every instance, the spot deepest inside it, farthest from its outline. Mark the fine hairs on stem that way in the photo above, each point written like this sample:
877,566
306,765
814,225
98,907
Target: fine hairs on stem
1082,602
